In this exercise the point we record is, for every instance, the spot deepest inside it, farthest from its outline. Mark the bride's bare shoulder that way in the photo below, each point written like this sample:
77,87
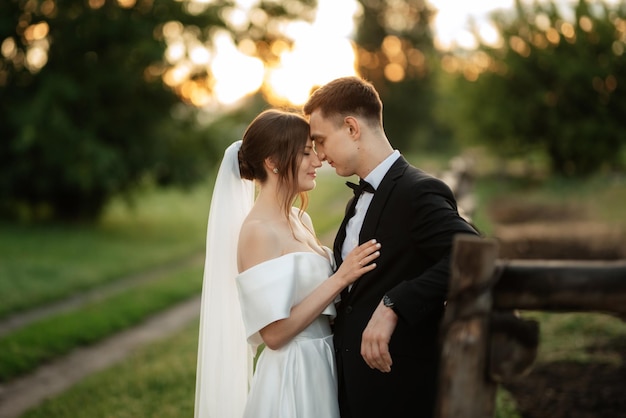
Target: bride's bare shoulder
258,242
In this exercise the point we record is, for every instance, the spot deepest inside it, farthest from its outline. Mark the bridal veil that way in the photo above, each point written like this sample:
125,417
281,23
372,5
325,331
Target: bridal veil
225,359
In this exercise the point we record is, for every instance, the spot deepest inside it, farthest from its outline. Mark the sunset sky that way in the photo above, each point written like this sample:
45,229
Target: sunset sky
323,50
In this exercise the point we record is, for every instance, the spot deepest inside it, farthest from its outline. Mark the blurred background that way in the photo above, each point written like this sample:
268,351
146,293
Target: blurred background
114,115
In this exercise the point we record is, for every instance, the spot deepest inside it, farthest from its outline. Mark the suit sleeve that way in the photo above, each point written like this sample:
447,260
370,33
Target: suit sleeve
435,221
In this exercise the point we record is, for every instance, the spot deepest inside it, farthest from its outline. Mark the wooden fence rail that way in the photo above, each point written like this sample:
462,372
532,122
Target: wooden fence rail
484,343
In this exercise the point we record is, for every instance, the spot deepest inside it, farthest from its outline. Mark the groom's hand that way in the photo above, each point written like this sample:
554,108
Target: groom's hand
376,337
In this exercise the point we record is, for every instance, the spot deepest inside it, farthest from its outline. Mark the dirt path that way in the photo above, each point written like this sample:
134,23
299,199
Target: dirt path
21,394
22,319
52,379
26,392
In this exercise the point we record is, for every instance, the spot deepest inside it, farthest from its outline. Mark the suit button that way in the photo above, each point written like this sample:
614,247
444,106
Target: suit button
348,309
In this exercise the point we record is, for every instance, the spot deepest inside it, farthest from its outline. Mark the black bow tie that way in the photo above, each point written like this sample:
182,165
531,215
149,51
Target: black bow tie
358,189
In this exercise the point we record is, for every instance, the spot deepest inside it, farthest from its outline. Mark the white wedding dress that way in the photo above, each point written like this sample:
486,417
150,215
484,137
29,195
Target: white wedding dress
299,379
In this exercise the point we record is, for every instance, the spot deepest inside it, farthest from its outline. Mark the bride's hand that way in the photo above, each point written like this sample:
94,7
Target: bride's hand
359,262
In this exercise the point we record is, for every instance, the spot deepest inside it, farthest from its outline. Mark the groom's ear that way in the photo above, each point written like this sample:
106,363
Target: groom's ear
352,125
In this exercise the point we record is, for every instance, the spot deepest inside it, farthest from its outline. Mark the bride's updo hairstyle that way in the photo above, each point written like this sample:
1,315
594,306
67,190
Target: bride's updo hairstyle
280,136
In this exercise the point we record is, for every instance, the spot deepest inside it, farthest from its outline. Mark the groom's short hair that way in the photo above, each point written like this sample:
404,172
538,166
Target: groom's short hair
346,96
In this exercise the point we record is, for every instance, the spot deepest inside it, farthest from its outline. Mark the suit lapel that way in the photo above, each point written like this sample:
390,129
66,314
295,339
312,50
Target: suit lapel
374,212
381,197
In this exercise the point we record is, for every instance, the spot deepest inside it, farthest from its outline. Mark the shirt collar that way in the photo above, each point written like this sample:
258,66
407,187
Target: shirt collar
375,177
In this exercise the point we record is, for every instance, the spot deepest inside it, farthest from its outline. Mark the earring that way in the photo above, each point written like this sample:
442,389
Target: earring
275,170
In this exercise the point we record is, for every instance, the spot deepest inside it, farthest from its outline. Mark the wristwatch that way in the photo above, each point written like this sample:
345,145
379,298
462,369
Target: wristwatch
388,302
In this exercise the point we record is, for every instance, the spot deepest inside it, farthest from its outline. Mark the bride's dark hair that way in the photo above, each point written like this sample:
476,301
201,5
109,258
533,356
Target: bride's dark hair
280,136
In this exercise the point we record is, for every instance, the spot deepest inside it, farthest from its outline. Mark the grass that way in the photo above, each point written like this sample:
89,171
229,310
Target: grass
506,407
44,263
29,347
156,381
163,225
159,381
599,198
578,337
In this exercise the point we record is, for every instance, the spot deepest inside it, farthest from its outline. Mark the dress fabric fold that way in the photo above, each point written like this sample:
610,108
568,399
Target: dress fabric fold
299,379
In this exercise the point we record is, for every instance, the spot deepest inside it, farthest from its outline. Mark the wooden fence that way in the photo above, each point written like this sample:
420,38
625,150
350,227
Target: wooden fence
484,342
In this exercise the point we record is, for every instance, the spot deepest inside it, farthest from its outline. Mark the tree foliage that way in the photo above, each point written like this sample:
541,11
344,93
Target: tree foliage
554,85
396,53
85,113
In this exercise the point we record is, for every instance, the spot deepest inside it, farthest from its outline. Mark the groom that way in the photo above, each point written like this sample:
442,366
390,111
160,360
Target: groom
386,330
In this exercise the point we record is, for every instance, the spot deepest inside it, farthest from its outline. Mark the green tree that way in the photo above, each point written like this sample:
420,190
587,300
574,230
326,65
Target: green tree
85,111
555,85
396,53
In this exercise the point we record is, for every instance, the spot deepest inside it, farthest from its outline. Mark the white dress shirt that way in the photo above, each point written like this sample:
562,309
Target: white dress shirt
353,228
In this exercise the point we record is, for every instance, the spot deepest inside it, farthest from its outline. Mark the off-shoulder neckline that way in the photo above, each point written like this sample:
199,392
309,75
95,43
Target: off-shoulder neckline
285,255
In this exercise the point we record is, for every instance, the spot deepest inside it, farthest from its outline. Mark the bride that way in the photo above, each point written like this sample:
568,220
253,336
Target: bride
268,281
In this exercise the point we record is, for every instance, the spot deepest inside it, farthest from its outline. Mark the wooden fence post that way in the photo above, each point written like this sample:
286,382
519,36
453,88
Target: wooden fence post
464,389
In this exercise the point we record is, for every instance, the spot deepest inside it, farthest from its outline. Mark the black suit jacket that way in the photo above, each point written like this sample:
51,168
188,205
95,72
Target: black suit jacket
414,216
